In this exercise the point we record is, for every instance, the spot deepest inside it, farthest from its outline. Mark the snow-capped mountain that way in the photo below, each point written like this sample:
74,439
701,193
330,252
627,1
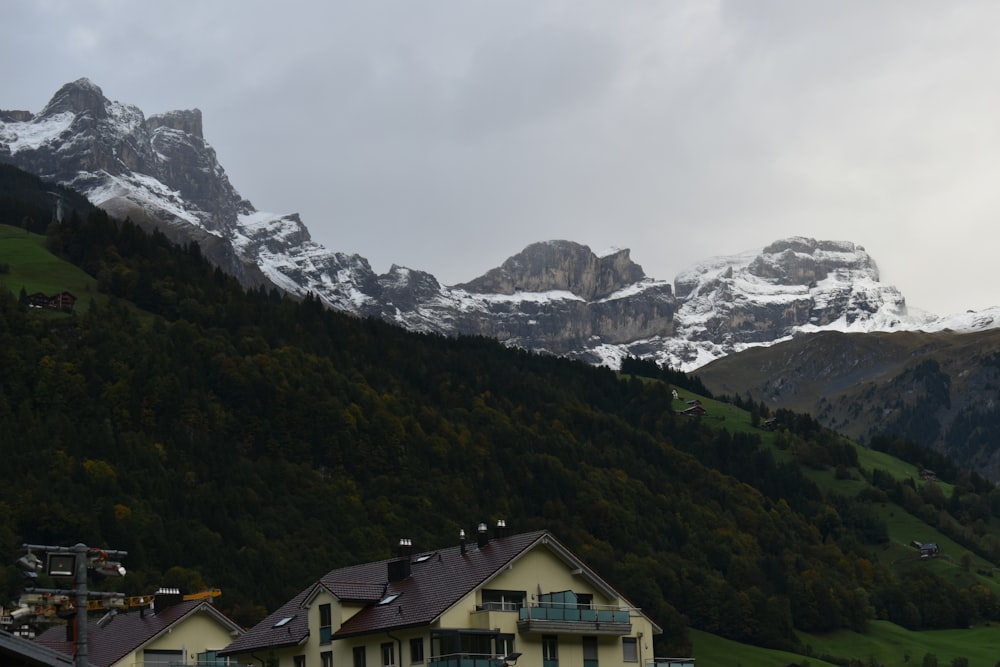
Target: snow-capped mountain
557,297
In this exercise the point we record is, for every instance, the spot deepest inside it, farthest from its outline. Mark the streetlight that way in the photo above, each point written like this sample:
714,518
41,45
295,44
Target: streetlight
73,562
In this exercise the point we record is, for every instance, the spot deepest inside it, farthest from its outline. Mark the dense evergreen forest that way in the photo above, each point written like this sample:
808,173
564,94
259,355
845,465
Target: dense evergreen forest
245,440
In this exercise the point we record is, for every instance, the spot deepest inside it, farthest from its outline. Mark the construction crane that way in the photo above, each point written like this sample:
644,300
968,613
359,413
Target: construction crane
99,604
43,604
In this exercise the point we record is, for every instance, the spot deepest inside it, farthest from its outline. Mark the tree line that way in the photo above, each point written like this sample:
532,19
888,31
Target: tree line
247,440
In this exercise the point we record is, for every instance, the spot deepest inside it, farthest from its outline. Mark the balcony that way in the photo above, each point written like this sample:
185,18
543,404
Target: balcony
466,660
570,618
671,662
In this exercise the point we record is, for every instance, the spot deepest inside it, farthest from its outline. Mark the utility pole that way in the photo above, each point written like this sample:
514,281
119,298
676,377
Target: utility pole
80,553
73,562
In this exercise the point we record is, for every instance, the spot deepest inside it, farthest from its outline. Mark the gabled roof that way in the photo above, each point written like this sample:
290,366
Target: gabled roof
16,650
438,580
434,585
107,643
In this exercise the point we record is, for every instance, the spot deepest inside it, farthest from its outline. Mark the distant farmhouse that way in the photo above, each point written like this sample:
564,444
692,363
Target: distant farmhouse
63,301
926,549
694,409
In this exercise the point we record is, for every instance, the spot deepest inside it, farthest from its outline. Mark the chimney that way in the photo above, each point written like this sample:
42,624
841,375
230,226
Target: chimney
405,547
166,597
461,540
399,569
482,535
501,529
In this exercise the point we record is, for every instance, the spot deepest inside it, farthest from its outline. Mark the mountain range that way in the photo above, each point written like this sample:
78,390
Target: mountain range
556,297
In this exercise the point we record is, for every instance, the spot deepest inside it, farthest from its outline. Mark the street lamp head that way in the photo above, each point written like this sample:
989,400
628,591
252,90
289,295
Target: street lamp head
31,564
109,569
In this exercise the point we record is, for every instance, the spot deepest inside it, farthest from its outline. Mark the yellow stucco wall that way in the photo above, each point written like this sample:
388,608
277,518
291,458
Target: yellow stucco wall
539,569
195,634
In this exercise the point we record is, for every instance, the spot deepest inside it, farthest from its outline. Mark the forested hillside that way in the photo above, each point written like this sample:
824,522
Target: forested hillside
251,442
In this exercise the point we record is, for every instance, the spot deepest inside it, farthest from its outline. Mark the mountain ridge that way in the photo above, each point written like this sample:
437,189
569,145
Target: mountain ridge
554,296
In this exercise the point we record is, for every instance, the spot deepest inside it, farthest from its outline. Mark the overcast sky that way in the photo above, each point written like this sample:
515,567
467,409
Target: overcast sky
446,135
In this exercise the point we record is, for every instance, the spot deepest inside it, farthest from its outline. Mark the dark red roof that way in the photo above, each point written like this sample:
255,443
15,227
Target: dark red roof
107,643
435,584
19,651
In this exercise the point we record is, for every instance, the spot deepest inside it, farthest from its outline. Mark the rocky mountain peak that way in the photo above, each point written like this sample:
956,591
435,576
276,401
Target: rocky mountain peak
186,121
805,261
560,266
78,97
557,296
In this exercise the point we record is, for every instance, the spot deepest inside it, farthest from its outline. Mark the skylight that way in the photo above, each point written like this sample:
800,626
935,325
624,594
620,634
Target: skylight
282,622
388,598
422,558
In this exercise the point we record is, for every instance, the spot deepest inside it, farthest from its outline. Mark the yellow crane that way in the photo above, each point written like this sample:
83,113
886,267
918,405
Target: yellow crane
98,604
48,604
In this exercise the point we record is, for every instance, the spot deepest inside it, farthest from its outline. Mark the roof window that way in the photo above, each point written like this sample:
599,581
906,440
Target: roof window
388,598
282,622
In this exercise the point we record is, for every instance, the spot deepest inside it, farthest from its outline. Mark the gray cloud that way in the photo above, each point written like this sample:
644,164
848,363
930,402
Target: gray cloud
446,136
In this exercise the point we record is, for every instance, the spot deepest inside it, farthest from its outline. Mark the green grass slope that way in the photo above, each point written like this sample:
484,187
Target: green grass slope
29,265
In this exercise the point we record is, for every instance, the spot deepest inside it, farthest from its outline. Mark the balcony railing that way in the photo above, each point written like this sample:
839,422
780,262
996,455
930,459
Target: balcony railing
466,660
568,617
671,662
218,662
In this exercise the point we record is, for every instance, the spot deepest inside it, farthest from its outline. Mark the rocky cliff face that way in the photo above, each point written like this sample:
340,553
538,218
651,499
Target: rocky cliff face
793,286
159,172
557,296
562,266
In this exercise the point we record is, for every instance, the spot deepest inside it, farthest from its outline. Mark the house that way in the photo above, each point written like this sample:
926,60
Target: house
173,632
926,549
20,652
65,301
483,604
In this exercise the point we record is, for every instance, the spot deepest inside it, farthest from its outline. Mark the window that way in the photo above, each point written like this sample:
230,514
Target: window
359,656
209,658
325,623
162,658
283,621
589,651
585,600
388,598
630,649
299,661
503,600
550,651
505,645
416,650
326,659
388,655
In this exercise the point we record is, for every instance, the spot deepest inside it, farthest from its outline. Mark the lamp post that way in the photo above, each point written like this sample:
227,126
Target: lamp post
74,562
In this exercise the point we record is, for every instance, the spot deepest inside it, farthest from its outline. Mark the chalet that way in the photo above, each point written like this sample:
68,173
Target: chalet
62,301
485,604
926,549
173,633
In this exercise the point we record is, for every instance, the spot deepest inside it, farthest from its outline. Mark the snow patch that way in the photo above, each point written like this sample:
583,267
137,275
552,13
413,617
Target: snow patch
33,134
